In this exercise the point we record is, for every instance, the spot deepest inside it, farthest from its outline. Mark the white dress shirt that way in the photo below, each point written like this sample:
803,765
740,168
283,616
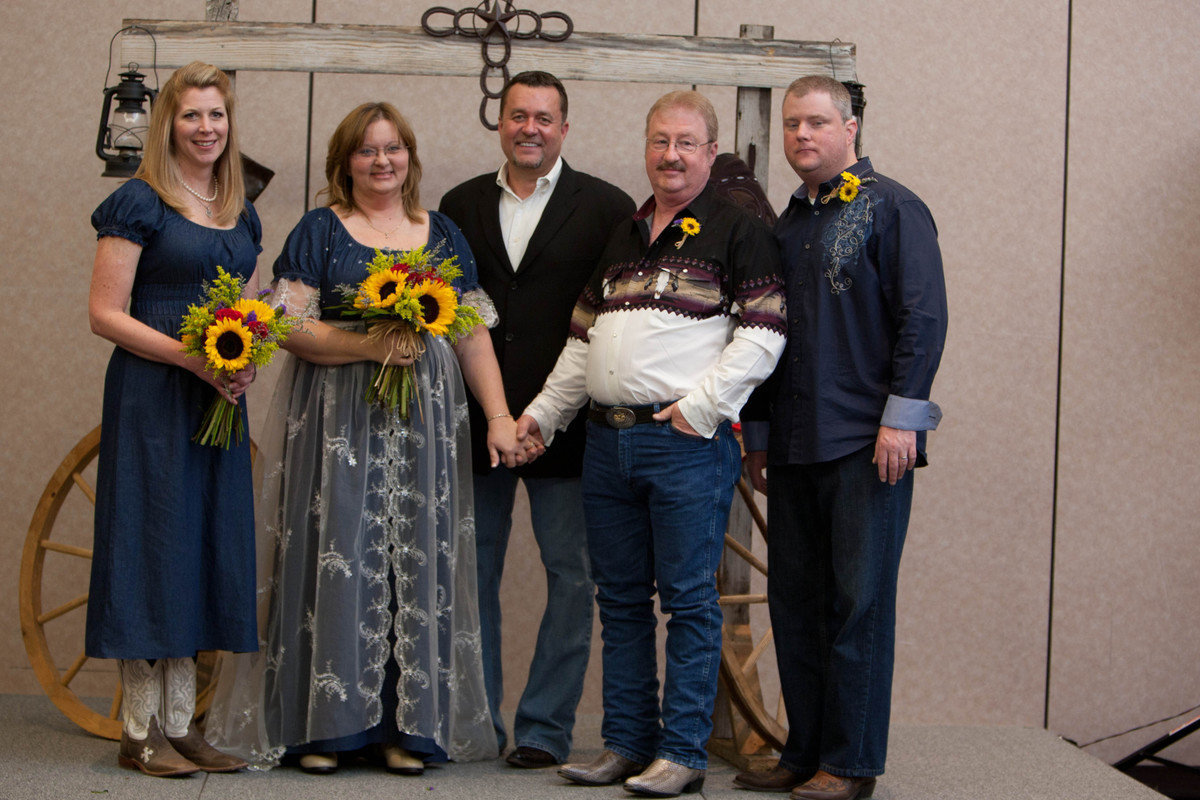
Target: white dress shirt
519,217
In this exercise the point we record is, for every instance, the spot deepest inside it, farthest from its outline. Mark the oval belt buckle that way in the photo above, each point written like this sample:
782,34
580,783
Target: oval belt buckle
620,417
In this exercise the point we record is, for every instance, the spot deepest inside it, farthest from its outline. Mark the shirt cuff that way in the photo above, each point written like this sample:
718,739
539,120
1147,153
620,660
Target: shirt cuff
545,426
755,435
910,414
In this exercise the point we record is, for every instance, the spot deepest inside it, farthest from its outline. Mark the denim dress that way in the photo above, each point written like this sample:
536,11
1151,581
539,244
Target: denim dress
173,562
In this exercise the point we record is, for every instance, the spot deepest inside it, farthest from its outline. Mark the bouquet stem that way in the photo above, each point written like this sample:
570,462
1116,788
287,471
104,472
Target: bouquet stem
222,423
394,386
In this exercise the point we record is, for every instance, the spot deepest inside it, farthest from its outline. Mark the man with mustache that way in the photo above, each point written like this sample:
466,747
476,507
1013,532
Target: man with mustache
536,228
683,318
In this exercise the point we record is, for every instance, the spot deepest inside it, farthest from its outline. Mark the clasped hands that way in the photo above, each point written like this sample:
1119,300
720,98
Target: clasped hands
514,442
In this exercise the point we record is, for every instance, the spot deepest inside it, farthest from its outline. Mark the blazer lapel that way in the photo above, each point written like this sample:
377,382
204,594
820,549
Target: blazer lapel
562,205
488,209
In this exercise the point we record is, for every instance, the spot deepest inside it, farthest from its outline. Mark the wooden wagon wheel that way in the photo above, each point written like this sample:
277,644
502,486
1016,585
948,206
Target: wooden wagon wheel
69,548
746,646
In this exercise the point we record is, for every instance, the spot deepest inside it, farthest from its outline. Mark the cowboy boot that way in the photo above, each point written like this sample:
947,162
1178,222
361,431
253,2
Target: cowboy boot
143,746
179,706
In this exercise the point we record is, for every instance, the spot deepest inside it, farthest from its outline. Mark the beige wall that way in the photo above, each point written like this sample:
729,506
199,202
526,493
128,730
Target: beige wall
1056,524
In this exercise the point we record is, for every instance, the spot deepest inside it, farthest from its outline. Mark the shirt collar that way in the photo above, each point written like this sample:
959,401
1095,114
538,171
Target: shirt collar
699,207
547,181
859,169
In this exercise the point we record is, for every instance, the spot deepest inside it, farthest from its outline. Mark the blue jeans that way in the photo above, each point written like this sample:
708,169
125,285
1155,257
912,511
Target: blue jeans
657,503
546,712
836,532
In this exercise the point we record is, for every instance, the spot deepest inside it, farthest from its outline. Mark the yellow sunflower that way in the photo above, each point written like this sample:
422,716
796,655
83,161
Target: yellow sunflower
227,345
247,306
438,304
381,289
847,192
689,225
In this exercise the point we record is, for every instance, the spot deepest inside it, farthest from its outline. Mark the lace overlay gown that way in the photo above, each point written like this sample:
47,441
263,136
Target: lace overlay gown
366,540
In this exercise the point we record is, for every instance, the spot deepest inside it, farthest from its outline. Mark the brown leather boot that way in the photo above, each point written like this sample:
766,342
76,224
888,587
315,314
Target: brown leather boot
777,779
195,748
824,786
153,755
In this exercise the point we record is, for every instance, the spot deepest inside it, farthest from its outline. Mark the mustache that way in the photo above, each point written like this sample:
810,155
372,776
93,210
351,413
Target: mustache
665,165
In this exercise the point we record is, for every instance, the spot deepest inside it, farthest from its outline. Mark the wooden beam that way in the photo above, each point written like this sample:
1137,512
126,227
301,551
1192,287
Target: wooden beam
753,131
372,49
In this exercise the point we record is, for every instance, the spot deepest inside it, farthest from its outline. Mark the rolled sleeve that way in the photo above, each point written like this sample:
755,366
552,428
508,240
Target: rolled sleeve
909,414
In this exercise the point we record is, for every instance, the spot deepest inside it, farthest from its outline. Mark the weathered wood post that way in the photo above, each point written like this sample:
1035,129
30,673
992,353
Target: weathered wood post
752,140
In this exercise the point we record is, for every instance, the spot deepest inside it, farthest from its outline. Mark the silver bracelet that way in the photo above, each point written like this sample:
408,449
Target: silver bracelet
498,416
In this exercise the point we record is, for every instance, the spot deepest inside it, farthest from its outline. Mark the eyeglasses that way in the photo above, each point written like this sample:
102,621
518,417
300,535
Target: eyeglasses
370,153
660,144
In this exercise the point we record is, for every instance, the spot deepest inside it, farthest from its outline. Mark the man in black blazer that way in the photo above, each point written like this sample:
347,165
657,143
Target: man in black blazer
536,228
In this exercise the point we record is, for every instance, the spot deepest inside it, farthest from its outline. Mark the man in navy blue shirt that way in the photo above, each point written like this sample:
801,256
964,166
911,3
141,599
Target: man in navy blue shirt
848,407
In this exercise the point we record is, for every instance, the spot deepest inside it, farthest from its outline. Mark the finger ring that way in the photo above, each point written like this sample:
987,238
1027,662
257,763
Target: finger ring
904,458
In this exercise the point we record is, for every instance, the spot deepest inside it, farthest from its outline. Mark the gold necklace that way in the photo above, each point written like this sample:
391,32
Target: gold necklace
202,198
386,234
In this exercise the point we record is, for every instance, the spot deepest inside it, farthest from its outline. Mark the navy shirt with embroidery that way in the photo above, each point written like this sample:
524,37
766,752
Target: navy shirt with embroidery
866,321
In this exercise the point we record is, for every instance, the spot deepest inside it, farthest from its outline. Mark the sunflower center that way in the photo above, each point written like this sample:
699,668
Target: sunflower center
430,308
230,345
387,289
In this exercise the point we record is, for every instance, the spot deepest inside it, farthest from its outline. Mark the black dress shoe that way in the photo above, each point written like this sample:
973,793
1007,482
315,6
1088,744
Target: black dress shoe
777,779
531,758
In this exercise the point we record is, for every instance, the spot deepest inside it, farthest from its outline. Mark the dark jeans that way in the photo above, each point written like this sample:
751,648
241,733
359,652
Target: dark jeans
657,502
546,713
836,532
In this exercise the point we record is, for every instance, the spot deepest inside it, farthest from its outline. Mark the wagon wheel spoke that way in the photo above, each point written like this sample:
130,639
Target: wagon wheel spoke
742,599
73,670
84,486
69,549
744,552
63,609
751,661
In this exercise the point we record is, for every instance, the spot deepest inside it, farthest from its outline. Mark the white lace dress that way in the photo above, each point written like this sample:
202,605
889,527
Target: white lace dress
368,608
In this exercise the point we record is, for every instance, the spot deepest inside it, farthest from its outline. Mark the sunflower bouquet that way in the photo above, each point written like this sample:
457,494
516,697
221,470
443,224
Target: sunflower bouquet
230,332
404,295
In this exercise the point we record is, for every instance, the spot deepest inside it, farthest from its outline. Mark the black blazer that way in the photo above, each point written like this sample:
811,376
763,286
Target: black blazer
535,301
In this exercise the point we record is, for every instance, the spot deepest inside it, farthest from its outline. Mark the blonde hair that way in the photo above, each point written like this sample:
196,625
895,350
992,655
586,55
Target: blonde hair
159,167
692,101
348,137
839,95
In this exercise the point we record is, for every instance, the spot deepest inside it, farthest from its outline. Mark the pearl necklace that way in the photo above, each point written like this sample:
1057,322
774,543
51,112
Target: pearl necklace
202,198
386,234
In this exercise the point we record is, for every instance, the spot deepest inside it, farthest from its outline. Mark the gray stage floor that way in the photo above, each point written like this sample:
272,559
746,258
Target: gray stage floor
47,756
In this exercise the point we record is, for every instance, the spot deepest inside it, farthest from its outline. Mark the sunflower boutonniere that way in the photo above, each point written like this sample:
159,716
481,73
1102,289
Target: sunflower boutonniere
847,190
690,227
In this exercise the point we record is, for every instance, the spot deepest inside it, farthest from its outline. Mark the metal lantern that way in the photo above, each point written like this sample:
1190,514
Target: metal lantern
123,129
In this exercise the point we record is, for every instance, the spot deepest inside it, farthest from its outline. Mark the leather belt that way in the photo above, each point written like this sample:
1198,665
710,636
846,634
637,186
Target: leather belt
621,417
